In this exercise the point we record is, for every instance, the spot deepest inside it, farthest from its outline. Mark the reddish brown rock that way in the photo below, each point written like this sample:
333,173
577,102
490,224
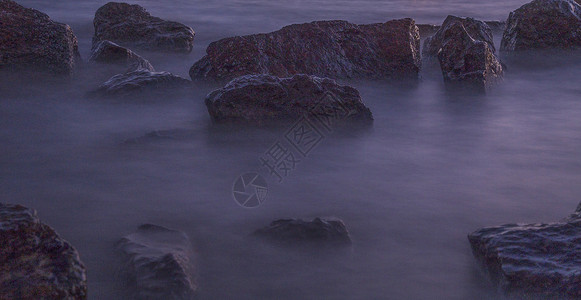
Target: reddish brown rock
477,30
335,49
35,262
29,39
131,25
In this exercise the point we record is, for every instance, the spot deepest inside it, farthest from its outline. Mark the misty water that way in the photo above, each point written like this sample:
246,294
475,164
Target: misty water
434,166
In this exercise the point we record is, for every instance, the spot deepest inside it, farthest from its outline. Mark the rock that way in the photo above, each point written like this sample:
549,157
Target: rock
158,263
478,30
533,259
35,262
29,39
496,26
297,231
543,24
258,98
427,30
110,53
140,81
132,25
335,49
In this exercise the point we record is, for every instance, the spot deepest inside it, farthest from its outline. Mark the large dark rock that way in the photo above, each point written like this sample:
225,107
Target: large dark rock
543,24
132,25
258,98
335,49
297,231
533,259
29,39
139,82
35,262
158,263
478,30
107,52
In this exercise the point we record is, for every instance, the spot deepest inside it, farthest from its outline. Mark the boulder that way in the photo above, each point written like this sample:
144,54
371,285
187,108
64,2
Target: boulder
158,263
478,30
533,259
35,262
297,232
132,25
107,52
543,24
258,98
335,49
29,39
140,81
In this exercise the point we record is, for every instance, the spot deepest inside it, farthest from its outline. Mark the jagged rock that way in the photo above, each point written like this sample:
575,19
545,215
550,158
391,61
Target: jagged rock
297,231
543,24
29,39
478,30
132,25
111,53
533,259
35,262
139,81
158,263
335,49
258,98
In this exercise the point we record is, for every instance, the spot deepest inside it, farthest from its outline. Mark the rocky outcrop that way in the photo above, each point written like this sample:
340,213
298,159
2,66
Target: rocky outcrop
477,30
158,263
543,24
335,49
107,52
140,81
297,232
29,39
35,262
258,98
533,259
427,30
131,25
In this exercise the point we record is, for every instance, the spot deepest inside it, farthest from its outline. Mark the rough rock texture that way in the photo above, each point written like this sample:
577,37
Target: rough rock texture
35,263
533,259
335,49
257,98
427,30
139,81
478,30
158,263
132,25
543,24
111,53
29,39
297,231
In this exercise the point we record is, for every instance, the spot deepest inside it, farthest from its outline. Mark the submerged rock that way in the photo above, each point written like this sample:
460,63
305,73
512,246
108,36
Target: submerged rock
29,39
543,24
257,98
35,262
158,263
297,231
478,30
132,25
110,53
533,259
140,81
336,49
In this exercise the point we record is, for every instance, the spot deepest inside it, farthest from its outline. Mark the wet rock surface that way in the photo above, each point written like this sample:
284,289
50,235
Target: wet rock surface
258,98
477,30
131,25
533,260
298,232
543,24
35,262
107,52
335,49
141,82
158,263
29,39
